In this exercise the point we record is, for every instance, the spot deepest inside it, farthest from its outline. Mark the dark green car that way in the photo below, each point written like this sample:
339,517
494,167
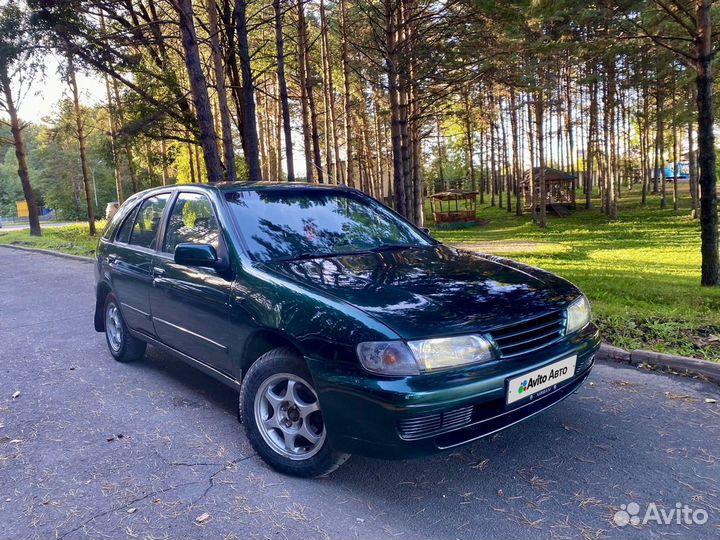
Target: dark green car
345,328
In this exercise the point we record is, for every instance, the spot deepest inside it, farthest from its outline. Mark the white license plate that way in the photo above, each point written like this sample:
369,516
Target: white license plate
541,379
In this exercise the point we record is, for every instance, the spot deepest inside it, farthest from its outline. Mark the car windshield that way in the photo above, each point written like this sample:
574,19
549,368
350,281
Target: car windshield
295,223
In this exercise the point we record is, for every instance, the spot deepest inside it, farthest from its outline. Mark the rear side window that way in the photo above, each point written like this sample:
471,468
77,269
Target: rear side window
123,235
146,227
192,221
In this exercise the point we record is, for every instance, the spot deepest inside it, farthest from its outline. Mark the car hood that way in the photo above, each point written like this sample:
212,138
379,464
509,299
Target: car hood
434,291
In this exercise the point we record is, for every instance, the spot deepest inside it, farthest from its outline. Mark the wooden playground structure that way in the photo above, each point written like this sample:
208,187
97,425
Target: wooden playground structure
560,195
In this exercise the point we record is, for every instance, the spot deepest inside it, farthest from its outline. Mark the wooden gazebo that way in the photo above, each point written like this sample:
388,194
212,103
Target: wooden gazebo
454,209
560,195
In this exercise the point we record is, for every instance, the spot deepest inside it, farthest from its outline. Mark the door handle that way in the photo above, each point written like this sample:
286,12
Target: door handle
157,274
111,259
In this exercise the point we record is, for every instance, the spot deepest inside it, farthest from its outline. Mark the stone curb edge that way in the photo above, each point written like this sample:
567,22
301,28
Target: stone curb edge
48,252
701,369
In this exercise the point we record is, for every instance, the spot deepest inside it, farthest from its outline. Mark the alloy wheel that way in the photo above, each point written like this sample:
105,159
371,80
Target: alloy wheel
288,416
114,327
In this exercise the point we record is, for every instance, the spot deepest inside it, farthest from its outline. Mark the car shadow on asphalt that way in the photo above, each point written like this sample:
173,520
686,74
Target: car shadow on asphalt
216,394
559,432
570,468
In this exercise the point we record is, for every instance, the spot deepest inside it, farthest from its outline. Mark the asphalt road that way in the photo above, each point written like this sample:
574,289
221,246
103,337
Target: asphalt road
93,448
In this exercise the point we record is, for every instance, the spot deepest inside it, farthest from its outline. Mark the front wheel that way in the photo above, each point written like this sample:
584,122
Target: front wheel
282,416
123,346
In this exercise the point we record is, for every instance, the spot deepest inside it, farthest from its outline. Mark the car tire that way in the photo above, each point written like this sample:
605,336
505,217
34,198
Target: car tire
279,408
123,346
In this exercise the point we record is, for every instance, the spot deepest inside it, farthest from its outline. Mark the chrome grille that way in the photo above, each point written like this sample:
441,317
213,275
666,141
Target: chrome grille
430,425
530,334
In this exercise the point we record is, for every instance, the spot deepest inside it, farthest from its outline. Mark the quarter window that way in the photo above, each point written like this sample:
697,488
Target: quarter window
147,224
192,221
123,235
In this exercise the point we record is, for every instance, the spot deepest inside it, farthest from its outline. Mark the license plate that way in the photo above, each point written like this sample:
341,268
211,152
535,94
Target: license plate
545,378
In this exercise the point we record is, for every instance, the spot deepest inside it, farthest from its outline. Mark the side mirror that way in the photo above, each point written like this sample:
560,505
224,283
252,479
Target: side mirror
425,230
196,255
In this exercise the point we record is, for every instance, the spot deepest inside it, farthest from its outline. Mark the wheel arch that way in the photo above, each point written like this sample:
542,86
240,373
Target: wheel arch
101,292
262,341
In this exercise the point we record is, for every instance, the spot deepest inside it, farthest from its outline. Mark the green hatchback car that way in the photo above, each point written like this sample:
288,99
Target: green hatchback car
345,328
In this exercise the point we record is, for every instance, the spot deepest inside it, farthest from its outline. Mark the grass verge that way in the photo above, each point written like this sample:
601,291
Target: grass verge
641,272
73,239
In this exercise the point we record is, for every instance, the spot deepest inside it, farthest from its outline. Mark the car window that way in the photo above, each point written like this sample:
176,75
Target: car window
147,224
284,223
117,218
123,235
192,221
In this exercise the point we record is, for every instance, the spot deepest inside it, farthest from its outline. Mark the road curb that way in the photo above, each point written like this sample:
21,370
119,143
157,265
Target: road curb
682,365
48,252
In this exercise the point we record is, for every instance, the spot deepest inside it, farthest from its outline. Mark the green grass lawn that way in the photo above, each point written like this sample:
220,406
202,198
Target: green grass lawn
641,272
73,239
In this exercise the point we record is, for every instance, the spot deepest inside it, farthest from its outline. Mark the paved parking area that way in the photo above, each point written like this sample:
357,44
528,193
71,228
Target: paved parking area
93,448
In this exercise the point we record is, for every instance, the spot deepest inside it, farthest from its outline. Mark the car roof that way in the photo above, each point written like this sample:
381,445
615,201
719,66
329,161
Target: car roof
251,186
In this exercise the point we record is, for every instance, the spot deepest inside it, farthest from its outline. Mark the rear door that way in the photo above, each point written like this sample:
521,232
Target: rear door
190,304
131,262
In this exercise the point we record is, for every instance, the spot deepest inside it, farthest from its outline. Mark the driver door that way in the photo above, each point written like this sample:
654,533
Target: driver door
190,304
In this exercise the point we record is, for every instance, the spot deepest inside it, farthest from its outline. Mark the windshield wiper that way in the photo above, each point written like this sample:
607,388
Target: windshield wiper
305,255
391,247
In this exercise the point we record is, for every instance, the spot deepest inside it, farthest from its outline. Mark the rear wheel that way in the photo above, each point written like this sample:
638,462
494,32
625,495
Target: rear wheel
282,416
123,346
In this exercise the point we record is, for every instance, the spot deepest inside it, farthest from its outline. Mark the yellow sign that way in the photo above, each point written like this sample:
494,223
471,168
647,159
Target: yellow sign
22,209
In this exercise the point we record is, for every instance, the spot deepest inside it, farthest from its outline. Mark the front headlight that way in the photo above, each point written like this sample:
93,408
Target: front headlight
398,358
441,353
387,358
578,315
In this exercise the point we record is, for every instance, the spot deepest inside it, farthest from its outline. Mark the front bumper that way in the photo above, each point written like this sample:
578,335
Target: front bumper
421,415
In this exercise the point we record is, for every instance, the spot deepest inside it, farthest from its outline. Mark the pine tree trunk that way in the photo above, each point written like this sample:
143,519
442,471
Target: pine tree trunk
644,144
164,157
225,122
112,129
612,166
592,144
333,171
20,154
346,96
517,173
692,163
661,151
658,134
493,164
676,202
198,88
710,274
248,89
302,76
539,110
506,160
308,96
391,65
469,138
80,133
531,150
379,146
438,135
